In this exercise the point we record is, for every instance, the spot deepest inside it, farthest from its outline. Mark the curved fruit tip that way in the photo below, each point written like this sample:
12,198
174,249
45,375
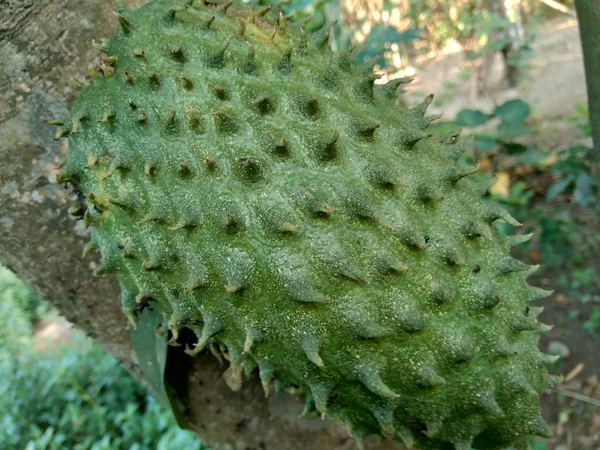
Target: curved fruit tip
216,60
233,377
421,108
303,44
92,245
300,290
284,65
487,402
499,213
309,406
123,22
251,337
214,350
250,169
389,89
327,149
555,380
107,116
450,138
358,438
368,375
77,210
385,417
281,24
395,266
548,360
310,108
464,444
241,28
518,239
174,10
365,131
224,7
264,11
441,293
433,428
508,265
455,175
251,18
77,84
310,346
451,255
225,123
426,193
106,267
364,90
61,133
539,427
211,327
473,230
132,319
405,436
536,293
320,393
266,374
187,83
127,202
103,45
428,377
522,444
209,22
518,384
264,103
432,118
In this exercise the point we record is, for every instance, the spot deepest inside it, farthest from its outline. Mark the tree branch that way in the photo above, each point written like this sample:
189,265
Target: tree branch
588,13
559,7
43,245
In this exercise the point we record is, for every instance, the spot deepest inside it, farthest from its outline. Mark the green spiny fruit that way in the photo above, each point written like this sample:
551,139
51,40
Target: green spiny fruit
265,193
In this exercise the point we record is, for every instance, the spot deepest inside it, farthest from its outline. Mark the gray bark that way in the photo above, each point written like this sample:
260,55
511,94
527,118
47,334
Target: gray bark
43,43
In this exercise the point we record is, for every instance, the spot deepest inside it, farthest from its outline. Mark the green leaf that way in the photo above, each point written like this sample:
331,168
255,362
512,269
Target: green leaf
509,130
514,149
150,345
482,142
471,118
584,187
557,188
532,157
513,111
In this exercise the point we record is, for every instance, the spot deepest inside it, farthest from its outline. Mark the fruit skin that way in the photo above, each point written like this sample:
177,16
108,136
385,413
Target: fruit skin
263,192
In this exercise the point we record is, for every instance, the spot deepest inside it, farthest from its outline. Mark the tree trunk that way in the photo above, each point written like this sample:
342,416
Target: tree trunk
43,43
588,13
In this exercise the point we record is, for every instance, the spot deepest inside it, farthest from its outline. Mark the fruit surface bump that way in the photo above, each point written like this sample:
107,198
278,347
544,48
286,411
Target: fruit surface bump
257,188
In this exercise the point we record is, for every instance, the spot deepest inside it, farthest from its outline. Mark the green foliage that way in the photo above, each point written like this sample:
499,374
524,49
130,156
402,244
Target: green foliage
19,308
574,176
375,50
505,133
74,396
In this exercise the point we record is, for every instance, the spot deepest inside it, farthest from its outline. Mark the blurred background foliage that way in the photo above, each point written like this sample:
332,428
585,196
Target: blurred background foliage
58,390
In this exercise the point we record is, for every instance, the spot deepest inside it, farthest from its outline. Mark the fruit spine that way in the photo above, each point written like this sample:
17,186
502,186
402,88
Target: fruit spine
264,192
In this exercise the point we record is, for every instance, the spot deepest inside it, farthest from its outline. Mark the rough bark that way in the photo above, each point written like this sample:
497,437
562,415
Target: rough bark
588,14
43,43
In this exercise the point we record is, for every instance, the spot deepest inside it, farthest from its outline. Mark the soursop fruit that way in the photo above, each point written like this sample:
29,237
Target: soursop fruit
264,192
